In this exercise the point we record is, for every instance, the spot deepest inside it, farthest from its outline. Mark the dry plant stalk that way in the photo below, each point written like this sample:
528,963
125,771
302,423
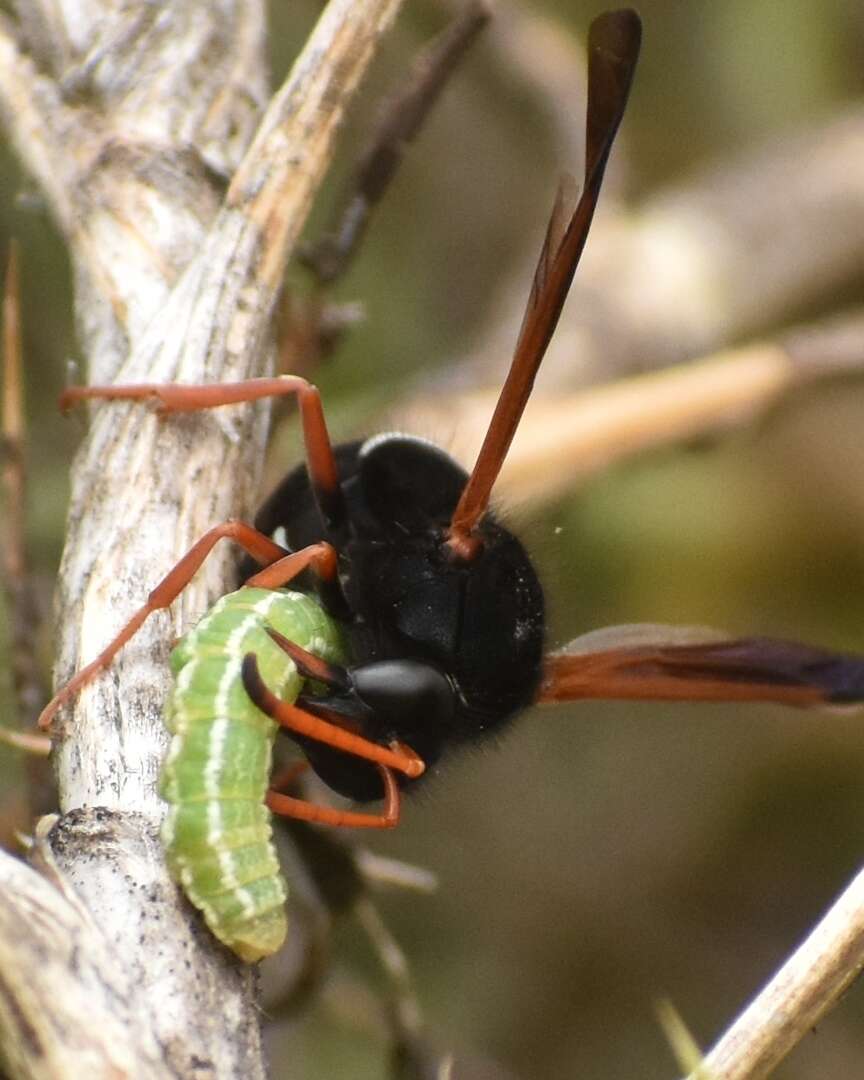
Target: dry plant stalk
17,583
802,991
125,115
678,276
586,431
672,278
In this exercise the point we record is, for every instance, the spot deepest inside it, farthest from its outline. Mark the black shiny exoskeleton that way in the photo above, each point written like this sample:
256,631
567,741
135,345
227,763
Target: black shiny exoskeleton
445,651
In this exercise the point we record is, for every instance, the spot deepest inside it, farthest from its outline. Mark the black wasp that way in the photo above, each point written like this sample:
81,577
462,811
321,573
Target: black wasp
441,606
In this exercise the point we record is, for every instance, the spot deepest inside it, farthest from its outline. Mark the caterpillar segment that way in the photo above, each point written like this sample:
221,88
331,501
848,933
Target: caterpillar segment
217,832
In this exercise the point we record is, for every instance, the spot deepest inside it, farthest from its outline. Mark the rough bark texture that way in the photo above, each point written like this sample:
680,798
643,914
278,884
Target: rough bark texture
180,192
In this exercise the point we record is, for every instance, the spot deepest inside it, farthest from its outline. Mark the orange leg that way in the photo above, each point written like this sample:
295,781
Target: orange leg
320,558
178,397
399,757
176,580
288,806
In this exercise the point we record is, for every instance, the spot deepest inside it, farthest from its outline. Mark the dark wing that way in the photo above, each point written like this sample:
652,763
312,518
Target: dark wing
669,663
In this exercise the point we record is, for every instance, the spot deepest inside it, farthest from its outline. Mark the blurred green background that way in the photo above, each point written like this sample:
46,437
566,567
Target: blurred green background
602,857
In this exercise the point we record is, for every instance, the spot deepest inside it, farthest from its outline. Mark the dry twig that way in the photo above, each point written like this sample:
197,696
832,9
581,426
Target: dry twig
400,120
586,431
801,992
21,606
680,275
123,113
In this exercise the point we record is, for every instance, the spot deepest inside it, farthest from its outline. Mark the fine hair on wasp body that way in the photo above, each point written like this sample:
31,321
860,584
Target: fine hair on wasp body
430,616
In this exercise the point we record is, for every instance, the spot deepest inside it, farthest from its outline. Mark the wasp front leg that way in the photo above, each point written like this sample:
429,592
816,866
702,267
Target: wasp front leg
260,547
288,806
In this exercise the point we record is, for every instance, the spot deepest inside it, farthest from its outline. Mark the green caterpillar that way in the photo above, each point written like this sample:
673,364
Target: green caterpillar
217,833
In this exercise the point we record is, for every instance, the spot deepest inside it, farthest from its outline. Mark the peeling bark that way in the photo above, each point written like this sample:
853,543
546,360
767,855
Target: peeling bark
135,119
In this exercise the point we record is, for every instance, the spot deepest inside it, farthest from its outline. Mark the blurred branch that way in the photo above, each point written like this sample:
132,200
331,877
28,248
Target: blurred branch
802,991
688,273
312,326
23,615
586,431
333,880
399,121
535,47
21,606
701,265
127,115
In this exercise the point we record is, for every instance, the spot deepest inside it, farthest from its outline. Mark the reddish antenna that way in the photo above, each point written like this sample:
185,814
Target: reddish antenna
613,49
